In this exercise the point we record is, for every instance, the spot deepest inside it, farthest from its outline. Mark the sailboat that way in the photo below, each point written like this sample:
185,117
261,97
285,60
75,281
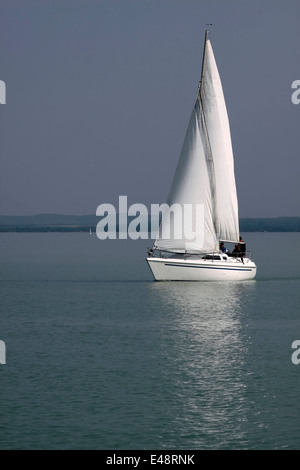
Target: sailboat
204,180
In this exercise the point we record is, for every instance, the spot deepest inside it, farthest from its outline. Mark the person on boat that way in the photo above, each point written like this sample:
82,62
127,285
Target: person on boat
237,252
150,253
243,246
223,248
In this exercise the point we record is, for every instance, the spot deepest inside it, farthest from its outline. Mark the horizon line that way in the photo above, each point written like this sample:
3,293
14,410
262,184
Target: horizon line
94,215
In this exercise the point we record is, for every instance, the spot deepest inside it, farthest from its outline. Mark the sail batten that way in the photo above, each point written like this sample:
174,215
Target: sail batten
205,172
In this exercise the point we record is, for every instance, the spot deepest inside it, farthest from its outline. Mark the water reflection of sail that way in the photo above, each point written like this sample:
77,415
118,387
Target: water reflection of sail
204,350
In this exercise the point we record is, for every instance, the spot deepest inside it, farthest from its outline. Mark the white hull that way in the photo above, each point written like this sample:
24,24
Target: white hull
176,269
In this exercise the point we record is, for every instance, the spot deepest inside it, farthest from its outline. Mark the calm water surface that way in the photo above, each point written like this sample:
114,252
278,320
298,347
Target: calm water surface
101,357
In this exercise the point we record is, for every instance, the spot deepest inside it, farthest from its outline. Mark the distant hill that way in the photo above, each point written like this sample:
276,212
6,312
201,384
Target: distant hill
47,223
82,223
278,224
48,219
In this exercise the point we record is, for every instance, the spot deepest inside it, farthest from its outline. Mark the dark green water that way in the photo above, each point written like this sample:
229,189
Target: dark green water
101,357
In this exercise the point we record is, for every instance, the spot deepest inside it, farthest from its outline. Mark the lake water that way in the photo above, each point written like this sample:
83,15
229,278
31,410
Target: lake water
98,356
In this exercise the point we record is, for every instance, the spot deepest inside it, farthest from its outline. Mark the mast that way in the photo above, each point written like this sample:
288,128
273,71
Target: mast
203,58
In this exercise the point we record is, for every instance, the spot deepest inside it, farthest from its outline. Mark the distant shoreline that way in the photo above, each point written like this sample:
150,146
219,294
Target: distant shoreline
83,223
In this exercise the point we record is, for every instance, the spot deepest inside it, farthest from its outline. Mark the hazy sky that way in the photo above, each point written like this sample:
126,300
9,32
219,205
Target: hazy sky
99,94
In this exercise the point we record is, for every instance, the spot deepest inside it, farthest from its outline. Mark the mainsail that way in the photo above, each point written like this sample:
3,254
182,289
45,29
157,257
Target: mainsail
204,175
